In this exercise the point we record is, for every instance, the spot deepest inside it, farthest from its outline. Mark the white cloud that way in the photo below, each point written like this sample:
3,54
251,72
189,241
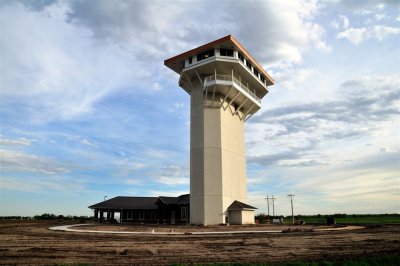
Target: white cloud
172,175
380,6
88,143
354,35
171,181
358,35
175,193
345,22
65,74
294,136
127,167
15,142
289,78
363,12
380,31
380,16
21,162
342,23
41,184
107,46
293,33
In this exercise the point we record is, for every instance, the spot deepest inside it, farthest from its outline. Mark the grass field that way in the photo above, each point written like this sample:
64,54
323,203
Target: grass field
351,219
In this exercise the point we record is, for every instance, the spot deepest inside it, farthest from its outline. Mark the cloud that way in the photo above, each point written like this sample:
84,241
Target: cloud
14,142
172,175
175,193
88,143
289,77
106,47
357,5
358,35
38,5
41,184
65,74
20,162
295,133
342,23
171,181
128,22
380,16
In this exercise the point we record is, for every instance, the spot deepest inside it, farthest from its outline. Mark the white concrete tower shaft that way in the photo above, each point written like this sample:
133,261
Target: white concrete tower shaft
225,84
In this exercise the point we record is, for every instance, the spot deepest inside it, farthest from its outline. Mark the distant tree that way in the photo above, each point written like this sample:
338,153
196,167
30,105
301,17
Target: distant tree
262,218
45,216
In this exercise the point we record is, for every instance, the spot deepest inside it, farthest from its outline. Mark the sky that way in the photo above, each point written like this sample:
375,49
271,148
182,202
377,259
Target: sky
88,110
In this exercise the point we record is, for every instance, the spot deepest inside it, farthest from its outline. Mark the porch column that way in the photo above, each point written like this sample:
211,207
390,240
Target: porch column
96,215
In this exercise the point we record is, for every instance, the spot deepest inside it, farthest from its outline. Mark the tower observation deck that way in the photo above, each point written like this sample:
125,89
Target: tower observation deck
226,86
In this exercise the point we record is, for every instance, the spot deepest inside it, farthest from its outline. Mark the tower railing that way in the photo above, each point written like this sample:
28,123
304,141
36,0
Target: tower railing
234,80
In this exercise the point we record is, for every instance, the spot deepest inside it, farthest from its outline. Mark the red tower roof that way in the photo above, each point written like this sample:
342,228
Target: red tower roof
176,63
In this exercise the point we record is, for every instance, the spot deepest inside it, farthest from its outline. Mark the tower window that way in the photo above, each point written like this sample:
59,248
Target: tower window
248,64
255,72
205,55
190,60
226,52
241,57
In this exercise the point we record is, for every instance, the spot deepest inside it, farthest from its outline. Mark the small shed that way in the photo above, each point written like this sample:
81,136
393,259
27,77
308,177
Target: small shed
241,213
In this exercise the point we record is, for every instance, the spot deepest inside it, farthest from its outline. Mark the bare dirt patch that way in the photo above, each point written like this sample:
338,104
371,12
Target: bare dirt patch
27,243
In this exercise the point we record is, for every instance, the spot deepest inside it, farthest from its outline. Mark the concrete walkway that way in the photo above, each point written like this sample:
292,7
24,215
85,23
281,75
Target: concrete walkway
70,228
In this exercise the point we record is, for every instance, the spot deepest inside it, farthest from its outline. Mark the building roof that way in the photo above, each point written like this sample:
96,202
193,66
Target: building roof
182,199
176,63
127,203
237,205
140,203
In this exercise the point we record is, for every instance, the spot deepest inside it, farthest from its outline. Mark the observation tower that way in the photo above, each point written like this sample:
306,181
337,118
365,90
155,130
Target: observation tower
226,85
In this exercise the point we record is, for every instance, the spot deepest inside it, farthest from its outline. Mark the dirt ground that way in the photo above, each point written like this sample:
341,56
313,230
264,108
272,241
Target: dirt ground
32,243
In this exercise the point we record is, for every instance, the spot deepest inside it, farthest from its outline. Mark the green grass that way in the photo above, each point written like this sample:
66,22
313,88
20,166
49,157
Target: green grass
351,219
370,220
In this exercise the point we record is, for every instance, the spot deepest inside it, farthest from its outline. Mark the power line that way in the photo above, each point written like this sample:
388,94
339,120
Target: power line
271,200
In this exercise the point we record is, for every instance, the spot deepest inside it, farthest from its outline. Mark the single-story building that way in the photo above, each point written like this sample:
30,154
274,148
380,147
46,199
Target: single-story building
241,213
162,210
159,210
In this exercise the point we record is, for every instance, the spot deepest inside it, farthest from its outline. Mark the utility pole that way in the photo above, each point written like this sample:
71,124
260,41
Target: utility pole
273,205
267,204
291,202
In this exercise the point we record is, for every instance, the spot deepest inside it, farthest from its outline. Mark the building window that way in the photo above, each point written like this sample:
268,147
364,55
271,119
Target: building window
255,72
141,215
241,57
130,215
262,78
190,60
184,213
205,55
226,52
248,64
153,215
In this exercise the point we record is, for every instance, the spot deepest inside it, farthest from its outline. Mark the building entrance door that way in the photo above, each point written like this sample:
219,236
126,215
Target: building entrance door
172,217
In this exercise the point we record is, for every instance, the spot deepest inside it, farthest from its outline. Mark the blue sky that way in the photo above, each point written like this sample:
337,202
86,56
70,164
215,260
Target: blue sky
89,110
